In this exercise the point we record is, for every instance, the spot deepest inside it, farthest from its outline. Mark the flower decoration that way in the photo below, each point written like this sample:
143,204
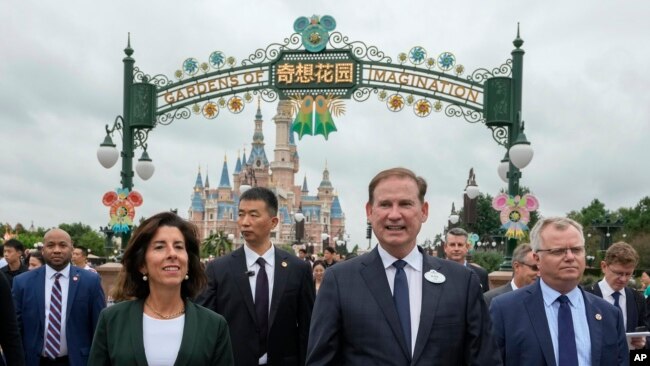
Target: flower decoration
395,102
417,55
402,57
422,108
473,239
217,59
437,106
210,110
235,104
122,205
382,95
446,61
515,213
191,66
196,108
410,99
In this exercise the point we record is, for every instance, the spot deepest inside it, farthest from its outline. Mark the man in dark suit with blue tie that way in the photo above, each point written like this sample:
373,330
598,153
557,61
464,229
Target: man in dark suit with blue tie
553,321
57,306
618,266
265,293
456,248
397,305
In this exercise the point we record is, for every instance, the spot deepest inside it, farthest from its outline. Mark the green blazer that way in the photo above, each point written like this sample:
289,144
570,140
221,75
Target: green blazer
118,338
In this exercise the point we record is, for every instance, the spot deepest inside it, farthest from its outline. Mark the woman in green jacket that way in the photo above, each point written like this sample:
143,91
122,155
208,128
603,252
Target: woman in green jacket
162,271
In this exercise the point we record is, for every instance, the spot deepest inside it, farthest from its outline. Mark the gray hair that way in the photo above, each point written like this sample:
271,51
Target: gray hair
520,253
560,223
457,231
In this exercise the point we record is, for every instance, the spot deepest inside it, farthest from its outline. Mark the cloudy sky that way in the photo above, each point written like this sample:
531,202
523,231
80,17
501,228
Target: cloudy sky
584,101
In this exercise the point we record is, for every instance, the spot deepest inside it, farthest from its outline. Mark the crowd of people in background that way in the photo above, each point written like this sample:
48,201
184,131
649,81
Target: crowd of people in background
261,305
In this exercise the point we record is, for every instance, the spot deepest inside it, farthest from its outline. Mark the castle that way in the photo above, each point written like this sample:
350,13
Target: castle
216,209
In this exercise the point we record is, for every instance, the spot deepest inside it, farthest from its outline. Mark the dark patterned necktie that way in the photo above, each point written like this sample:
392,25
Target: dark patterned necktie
401,300
53,340
262,304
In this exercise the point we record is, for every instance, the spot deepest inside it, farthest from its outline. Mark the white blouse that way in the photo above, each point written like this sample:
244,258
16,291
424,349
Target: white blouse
162,339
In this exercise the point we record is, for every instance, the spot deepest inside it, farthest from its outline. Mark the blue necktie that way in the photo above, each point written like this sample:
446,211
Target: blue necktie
568,355
401,300
616,295
262,305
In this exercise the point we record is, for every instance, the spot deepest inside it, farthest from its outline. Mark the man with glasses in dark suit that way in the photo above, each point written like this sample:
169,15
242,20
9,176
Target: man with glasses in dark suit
524,272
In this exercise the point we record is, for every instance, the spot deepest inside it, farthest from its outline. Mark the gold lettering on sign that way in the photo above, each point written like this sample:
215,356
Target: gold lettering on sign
285,73
324,73
213,85
343,73
424,82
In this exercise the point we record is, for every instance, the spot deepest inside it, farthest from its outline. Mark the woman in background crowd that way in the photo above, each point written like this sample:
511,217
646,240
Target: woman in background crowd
35,259
318,272
162,271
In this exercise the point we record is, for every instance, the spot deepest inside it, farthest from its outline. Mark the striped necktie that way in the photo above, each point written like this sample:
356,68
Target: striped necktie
53,340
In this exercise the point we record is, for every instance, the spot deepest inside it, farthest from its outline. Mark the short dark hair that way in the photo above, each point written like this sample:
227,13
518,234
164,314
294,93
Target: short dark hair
83,249
330,249
262,194
134,256
38,255
319,262
400,173
16,244
302,250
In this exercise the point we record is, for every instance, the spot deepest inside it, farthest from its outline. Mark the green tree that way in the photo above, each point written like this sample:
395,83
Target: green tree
636,220
487,218
215,244
30,238
489,260
84,235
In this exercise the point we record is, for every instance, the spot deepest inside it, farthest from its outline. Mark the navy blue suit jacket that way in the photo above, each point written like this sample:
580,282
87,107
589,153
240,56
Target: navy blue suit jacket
521,329
355,321
85,301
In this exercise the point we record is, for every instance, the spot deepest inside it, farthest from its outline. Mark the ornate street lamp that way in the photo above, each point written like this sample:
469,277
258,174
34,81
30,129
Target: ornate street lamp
137,119
607,228
453,216
502,111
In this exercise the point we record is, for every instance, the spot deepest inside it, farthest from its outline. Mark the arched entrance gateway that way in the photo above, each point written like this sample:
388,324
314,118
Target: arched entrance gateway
310,74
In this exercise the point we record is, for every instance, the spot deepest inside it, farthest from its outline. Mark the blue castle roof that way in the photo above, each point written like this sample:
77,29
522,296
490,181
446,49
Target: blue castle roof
336,211
197,202
237,166
225,180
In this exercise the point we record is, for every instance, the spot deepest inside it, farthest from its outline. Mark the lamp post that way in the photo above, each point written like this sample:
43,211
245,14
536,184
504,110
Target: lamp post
607,228
108,241
502,108
137,119
299,219
453,217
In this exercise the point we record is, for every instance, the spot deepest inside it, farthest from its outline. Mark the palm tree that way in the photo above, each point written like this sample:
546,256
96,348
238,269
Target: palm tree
215,244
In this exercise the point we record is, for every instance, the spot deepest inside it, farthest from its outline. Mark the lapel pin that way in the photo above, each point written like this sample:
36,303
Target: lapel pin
434,276
75,278
284,264
599,317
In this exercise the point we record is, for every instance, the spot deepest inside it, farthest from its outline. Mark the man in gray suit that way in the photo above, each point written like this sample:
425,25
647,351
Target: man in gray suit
397,305
524,272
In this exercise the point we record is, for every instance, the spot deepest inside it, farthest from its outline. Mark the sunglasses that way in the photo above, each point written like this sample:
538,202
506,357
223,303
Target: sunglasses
531,266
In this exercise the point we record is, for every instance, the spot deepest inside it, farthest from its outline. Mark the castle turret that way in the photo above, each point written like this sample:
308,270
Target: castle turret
224,190
283,165
197,207
325,188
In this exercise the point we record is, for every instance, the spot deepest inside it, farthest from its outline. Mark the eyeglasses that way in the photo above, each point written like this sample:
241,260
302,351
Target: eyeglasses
621,274
561,252
531,266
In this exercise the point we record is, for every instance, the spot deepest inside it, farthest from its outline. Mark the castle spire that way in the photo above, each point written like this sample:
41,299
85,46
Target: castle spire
225,180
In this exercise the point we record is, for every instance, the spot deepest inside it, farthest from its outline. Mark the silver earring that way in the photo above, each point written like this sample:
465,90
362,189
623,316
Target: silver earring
145,278
187,277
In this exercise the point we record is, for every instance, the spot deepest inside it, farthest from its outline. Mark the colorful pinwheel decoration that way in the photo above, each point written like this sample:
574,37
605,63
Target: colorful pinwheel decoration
122,205
314,115
515,213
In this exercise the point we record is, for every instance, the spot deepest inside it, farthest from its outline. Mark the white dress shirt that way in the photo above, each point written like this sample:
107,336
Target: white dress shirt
251,265
413,271
607,291
64,281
